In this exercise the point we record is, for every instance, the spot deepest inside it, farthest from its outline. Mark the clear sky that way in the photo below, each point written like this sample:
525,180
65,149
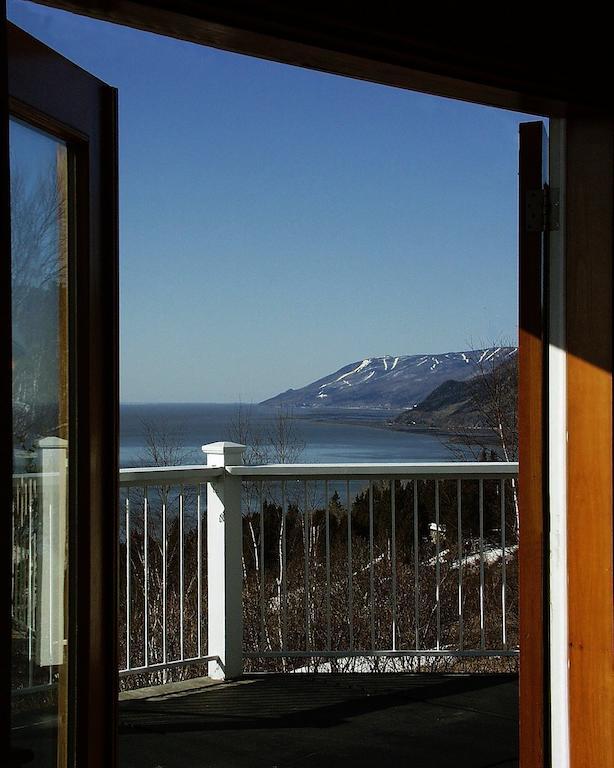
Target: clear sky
277,223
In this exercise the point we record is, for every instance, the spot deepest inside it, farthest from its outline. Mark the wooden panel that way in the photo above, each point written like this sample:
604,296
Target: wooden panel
590,186
531,456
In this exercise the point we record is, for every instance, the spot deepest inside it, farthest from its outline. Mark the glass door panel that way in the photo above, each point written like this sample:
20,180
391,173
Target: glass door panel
39,285
64,361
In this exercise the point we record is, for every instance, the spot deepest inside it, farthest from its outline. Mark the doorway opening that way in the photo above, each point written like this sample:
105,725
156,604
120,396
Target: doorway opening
384,585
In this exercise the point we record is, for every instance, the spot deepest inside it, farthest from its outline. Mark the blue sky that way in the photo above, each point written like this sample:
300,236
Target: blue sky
277,223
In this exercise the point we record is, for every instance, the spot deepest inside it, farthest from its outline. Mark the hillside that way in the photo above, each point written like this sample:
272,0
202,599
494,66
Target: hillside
464,405
389,382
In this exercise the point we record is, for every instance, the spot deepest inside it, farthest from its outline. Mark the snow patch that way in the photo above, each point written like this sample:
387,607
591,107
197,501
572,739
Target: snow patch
491,556
359,368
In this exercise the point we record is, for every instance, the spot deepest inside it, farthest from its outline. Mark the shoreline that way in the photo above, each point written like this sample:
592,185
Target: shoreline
329,430
376,423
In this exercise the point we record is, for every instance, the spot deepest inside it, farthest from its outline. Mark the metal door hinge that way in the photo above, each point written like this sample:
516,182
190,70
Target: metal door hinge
543,210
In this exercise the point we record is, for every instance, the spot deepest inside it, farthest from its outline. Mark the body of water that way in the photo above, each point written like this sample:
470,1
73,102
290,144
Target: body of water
331,436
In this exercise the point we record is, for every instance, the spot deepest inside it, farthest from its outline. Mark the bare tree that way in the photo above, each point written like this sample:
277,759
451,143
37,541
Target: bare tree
38,233
488,426
38,279
493,401
276,441
164,444
495,397
171,537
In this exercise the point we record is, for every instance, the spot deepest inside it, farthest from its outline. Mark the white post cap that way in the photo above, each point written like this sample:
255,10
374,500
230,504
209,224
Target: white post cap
224,453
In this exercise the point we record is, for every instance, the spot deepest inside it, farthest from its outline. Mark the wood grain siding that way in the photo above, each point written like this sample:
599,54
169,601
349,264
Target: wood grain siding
590,188
531,451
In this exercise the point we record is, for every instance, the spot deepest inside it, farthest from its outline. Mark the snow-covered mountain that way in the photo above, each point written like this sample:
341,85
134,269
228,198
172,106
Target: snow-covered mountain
390,382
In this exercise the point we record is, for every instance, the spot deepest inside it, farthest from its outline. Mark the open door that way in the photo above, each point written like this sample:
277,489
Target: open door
62,293
533,196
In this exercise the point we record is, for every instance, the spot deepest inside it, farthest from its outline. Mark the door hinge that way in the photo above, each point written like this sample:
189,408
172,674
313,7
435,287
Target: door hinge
543,209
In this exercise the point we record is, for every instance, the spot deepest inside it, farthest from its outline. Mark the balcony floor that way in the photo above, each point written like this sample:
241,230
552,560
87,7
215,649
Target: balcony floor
435,721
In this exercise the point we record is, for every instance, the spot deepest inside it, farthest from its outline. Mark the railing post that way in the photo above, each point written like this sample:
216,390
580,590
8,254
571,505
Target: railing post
52,456
225,575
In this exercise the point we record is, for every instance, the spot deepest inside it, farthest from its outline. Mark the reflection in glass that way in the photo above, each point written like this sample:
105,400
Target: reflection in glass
39,272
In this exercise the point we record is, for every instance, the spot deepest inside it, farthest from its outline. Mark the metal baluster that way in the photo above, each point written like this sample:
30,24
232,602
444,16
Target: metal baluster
350,575
17,523
306,523
459,511
503,570
437,568
164,577
16,539
127,579
146,575
284,593
262,585
327,526
481,511
393,555
16,535
416,569
181,642
15,520
371,567
199,557
30,603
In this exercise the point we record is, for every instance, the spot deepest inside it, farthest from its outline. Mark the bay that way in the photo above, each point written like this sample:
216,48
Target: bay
330,436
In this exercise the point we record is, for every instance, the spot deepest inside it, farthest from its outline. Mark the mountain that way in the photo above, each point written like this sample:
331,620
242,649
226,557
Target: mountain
469,405
389,382
450,406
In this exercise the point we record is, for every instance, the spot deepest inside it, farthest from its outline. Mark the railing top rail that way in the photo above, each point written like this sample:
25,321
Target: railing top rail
466,470
141,476
199,473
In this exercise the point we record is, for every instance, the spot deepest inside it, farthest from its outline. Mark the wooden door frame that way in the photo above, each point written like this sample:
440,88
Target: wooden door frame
82,112
532,462
353,51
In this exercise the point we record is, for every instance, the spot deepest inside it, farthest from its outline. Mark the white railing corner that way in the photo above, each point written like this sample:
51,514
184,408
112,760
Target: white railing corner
224,551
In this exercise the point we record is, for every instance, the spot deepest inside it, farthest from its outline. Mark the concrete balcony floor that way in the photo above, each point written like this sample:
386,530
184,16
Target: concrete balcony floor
377,720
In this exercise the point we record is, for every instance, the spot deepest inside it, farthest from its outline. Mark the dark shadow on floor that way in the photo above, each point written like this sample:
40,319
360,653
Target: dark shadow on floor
435,721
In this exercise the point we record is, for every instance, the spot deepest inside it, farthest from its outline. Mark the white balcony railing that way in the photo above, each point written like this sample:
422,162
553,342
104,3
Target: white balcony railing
266,567
227,567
